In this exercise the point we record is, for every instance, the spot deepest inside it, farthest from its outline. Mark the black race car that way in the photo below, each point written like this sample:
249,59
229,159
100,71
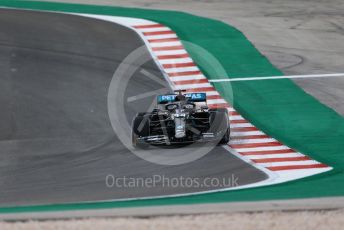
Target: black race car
181,119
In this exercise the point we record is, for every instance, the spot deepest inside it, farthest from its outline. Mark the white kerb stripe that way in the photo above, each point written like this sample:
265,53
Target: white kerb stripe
251,141
267,156
175,60
241,125
165,44
295,173
162,36
170,52
288,163
154,29
182,69
194,86
246,133
211,93
236,117
216,101
267,148
186,78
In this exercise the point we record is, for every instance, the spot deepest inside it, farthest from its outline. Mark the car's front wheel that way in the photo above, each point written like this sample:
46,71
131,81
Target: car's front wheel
219,123
225,139
140,128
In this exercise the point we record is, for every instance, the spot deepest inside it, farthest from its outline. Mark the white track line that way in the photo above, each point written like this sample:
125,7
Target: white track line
279,77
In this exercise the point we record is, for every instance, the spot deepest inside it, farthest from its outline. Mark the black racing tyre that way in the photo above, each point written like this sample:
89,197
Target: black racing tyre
140,128
225,139
219,122
223,110
219,119
141,114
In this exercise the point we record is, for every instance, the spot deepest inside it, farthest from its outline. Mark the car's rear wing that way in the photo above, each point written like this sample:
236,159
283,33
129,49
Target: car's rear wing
192,97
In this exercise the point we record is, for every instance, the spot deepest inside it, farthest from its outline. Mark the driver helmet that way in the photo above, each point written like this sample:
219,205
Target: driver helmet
180,97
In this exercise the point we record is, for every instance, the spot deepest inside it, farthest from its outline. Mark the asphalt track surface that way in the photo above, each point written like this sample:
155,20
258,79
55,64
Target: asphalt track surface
56,141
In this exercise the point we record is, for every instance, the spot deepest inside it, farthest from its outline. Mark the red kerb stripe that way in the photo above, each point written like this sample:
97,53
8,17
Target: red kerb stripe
186,73
173,56
239,121
196,90
218,106
163,40
148,26
268,152
250,137
281,159
178,65
167,48
211,97
196,81
254,145
158,33
290,167
244,129
234,113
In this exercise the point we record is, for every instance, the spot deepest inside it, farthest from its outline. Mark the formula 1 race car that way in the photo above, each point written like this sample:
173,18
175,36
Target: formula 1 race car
181,119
